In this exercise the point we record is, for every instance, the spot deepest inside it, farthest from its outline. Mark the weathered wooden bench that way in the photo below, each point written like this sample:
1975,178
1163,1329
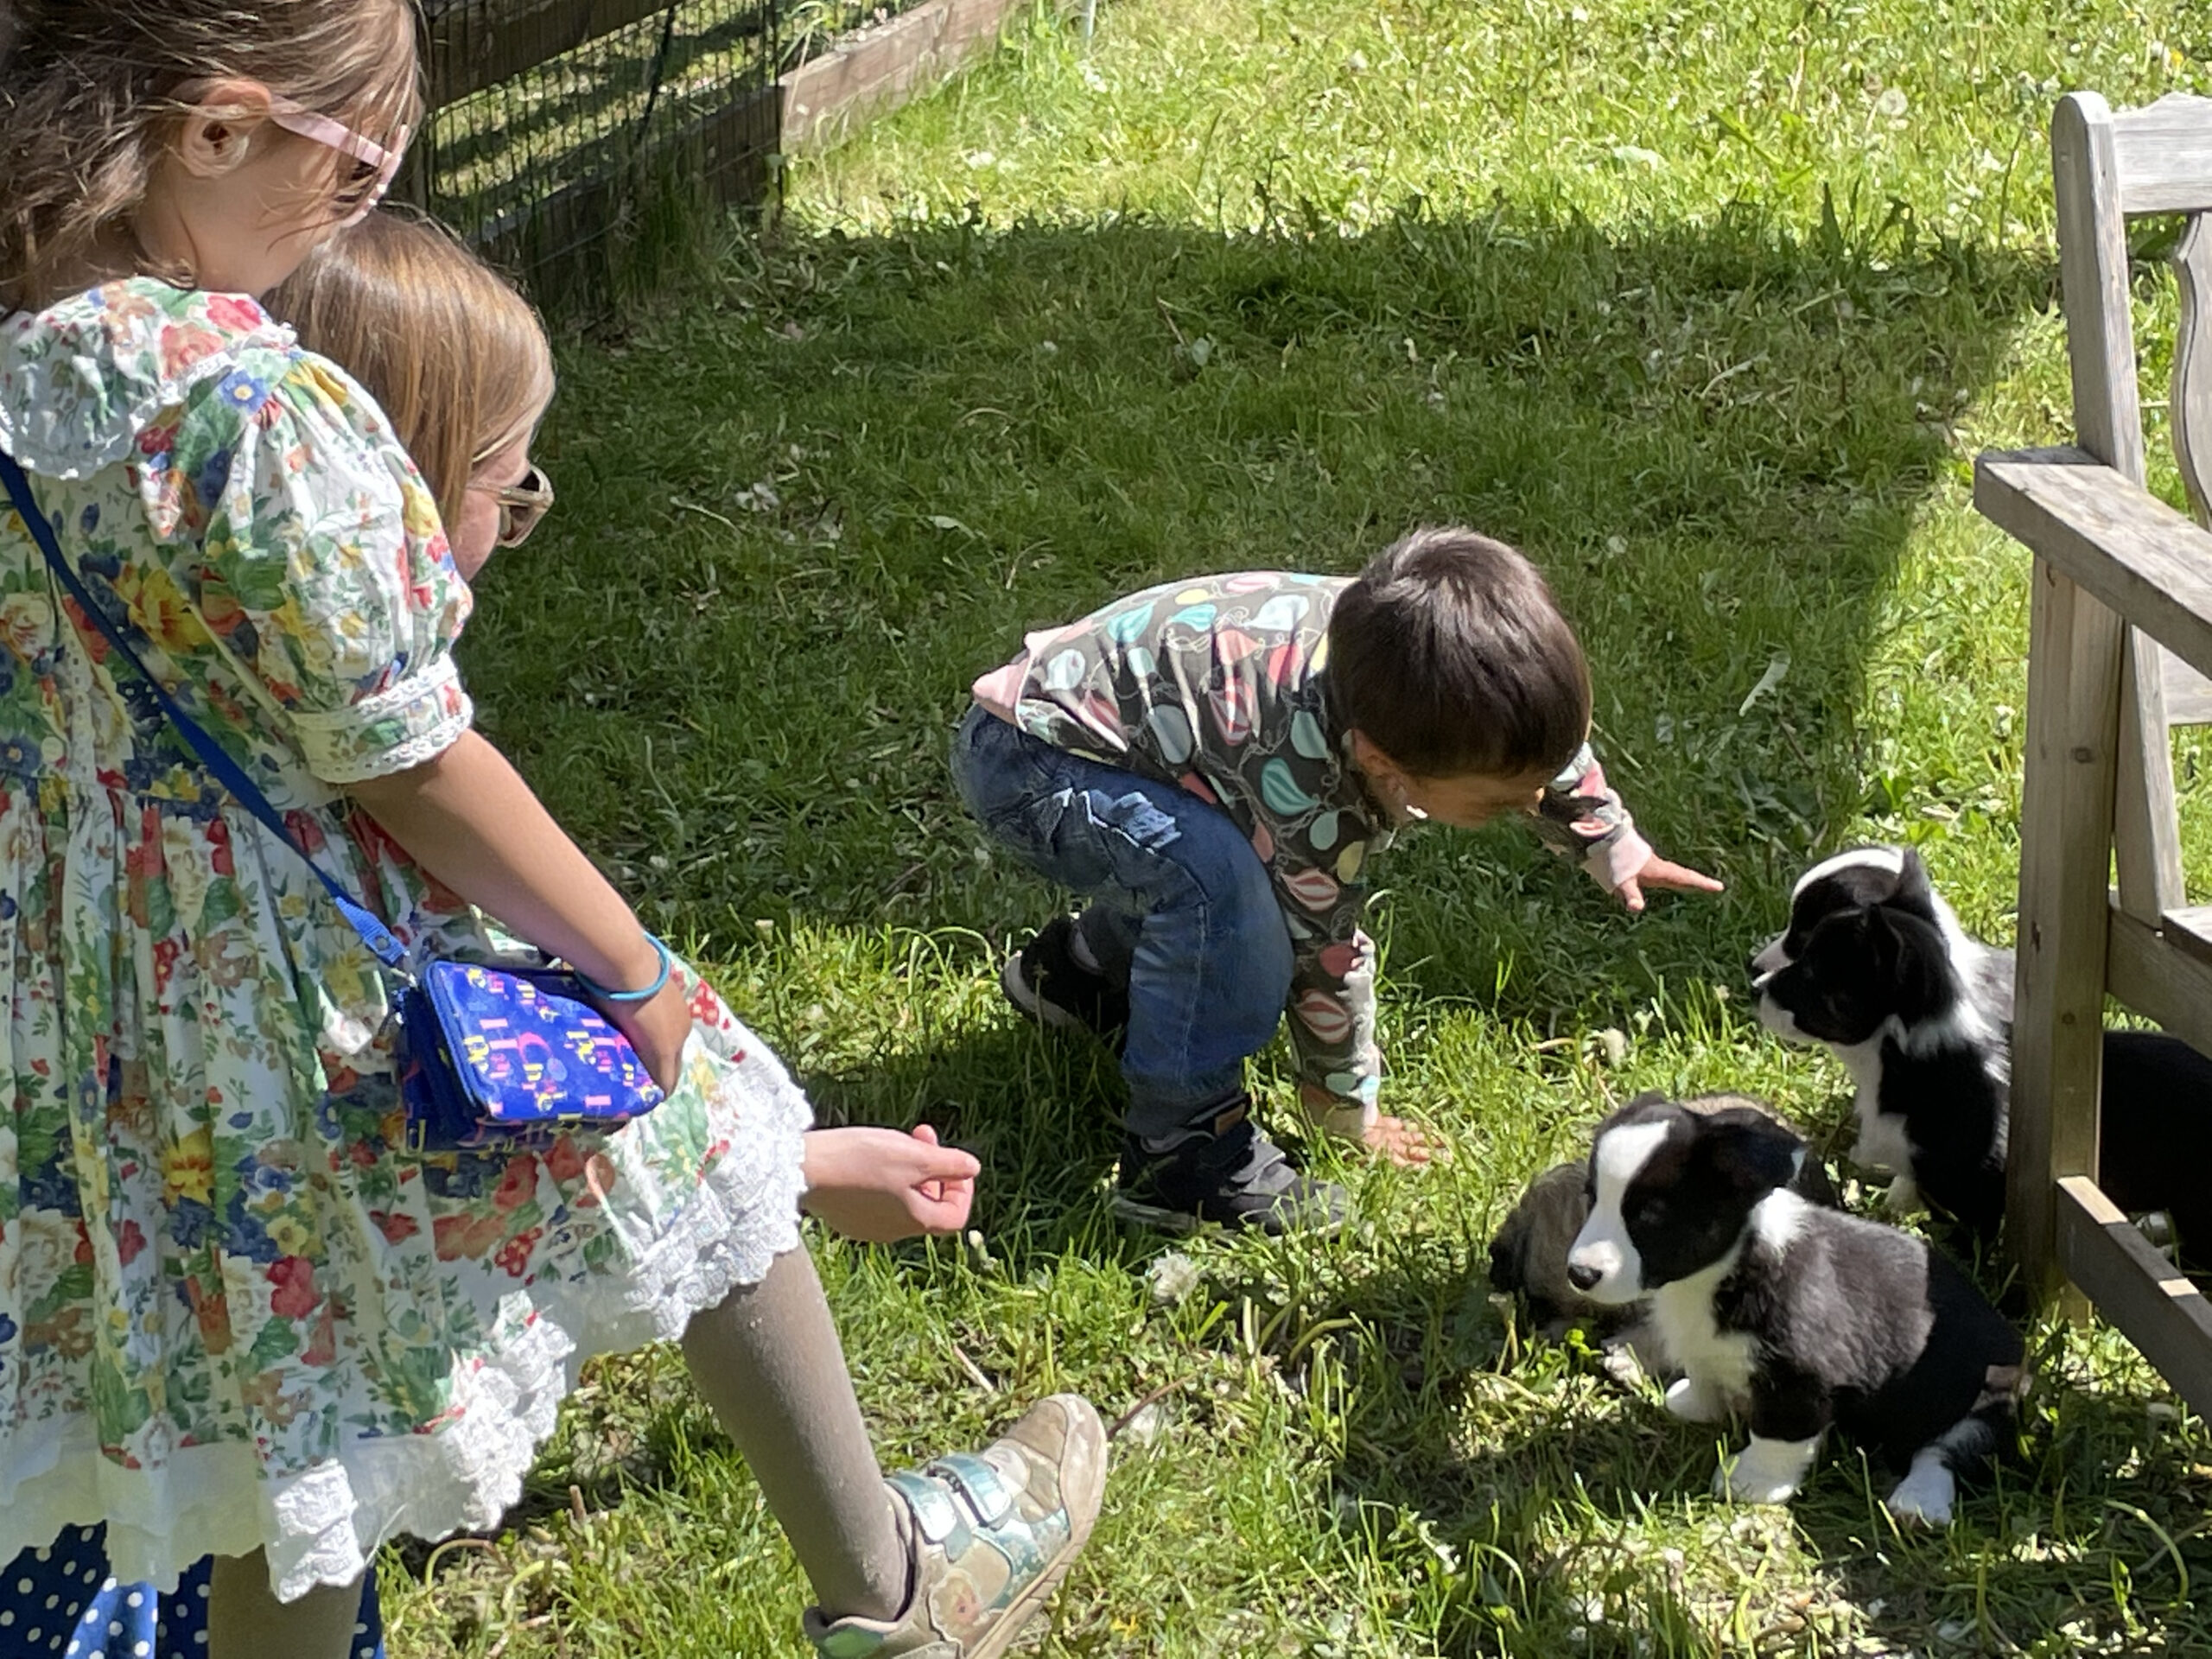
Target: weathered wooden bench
2119,651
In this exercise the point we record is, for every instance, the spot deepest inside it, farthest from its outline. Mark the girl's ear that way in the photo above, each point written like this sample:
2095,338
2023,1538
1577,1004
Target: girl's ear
1393,784
217,131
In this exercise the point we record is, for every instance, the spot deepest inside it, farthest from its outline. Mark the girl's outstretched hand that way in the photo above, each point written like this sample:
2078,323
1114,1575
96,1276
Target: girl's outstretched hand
879,1186
1395,1139
1660,872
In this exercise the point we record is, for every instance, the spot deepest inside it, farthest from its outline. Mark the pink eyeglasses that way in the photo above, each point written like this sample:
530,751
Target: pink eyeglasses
382,159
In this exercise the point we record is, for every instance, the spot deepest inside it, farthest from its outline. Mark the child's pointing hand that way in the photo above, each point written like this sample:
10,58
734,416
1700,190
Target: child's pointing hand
1662,873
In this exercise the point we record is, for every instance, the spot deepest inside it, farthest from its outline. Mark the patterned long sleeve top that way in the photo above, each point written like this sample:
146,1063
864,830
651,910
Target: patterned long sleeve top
1220,684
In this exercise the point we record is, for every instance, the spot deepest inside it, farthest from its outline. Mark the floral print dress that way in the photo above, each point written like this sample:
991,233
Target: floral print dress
234,1311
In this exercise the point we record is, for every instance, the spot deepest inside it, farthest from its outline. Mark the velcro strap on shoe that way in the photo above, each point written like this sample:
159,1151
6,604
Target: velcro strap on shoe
937,1517
990,1499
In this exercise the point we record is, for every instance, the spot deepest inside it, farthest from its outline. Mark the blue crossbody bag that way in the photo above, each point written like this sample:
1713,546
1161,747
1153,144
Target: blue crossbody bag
488,1058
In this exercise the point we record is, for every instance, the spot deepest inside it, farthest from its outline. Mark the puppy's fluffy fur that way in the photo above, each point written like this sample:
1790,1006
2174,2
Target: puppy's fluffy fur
1875,966
1528,1257
1797,1317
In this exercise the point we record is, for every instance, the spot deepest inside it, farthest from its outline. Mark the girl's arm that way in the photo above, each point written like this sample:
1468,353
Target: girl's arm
467,818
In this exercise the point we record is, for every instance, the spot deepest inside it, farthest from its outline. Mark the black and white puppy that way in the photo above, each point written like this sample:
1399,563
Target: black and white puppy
1799,1319
1527,1255
1875,966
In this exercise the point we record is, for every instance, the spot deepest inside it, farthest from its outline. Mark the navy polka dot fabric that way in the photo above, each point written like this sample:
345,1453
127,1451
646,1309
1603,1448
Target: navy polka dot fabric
63,1603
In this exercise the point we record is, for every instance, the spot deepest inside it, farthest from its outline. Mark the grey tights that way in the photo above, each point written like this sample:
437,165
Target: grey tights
246,1621
768,1361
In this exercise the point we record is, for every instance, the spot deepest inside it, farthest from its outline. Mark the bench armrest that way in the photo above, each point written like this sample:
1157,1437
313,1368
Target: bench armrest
2111,538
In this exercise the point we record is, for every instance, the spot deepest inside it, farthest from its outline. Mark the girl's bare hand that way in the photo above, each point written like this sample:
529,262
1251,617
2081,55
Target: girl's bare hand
1406,1144
658,1028
879,1186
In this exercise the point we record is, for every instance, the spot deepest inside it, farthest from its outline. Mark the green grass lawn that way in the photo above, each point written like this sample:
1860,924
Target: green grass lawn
1709,307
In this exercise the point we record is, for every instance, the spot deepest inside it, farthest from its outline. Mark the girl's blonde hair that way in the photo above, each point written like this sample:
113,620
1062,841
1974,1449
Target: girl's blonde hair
91,92
456,357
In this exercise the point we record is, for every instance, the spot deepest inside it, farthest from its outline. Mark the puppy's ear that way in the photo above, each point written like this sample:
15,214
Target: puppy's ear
1754,1154
1505,1253
1910,954
1706,1105
1915,892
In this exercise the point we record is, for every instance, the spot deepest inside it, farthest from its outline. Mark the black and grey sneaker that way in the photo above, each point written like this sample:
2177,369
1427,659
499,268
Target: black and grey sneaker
1230,1174
1044,982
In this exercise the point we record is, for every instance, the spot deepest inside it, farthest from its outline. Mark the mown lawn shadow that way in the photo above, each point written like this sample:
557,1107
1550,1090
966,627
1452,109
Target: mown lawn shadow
802,513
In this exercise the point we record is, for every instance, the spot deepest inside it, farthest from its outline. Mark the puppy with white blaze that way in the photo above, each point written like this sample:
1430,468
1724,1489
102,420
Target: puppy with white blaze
1875,967
1797,1317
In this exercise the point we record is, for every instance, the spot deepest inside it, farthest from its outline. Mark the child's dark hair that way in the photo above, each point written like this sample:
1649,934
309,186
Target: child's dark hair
1450,654
91,91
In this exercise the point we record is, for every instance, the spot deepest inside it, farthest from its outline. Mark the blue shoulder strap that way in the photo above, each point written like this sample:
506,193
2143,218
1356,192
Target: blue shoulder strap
227,772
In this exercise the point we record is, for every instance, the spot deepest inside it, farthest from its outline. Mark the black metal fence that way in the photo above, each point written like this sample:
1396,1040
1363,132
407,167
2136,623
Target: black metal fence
575,140
566,133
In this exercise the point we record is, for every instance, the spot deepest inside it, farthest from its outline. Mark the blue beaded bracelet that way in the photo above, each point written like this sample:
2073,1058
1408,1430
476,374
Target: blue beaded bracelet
660,980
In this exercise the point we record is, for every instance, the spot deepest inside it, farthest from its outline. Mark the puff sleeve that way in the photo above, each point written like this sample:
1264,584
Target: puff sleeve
324,568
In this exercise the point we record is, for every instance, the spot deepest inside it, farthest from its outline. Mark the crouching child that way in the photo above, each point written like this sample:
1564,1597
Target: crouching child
1213,765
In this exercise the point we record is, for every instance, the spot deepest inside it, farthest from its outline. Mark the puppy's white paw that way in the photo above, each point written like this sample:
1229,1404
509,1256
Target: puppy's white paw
1903,1196
1925,1495
1732,1481
1765,1472
1695,1401
1619,1362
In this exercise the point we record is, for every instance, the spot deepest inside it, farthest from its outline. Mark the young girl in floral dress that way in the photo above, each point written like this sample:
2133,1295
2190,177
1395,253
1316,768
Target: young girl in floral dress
236,1313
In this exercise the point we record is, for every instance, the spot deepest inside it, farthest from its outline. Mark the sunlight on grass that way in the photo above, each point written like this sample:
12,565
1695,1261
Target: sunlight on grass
1709,309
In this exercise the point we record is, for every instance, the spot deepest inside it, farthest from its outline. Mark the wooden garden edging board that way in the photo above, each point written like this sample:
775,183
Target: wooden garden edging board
887,65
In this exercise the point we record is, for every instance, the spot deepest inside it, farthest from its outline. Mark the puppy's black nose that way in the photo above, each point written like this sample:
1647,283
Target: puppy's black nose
1581,1275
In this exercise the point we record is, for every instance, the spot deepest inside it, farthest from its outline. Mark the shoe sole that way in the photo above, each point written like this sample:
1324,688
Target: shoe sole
1025,1607
1017,990
1181,1223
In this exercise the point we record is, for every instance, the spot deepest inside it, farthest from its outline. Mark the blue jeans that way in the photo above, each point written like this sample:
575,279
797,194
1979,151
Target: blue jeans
1180,908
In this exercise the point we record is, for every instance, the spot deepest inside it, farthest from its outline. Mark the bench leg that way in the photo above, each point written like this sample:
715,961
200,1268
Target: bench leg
2074,656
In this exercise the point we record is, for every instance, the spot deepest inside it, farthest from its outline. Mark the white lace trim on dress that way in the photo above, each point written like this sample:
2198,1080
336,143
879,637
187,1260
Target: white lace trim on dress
323,1526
